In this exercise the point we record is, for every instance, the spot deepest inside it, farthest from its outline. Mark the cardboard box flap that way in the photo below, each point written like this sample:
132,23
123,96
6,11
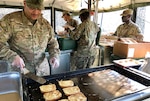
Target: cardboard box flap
128,40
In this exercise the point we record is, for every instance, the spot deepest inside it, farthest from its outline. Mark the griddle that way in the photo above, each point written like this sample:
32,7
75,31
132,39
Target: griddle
92,91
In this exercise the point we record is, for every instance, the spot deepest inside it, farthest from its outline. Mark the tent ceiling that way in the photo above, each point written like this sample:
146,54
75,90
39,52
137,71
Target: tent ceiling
76,5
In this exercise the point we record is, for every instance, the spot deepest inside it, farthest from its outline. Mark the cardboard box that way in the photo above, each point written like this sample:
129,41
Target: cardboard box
131,50
128,40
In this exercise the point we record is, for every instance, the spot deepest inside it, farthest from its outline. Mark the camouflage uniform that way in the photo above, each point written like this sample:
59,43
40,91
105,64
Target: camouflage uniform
129,30
85,34
72,23
18,36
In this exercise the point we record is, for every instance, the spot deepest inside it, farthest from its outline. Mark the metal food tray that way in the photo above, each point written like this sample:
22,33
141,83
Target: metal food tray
128,62
10,87
93,92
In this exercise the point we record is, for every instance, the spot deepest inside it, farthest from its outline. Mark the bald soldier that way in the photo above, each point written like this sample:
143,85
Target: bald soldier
24,36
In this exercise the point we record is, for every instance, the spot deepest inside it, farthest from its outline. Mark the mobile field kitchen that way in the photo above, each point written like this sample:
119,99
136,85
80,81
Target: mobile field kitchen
117,73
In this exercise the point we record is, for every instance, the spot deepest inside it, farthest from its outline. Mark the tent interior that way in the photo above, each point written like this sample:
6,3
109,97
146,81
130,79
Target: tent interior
76,5
104,8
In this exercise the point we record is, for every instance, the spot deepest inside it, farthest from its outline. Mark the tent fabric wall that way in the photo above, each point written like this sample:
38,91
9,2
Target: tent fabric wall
76,5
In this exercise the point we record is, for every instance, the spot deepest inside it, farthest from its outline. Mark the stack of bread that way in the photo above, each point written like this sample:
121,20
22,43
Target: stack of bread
73,93
65,83
50,93
63,100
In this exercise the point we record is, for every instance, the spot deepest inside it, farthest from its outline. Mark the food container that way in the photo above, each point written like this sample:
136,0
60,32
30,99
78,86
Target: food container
131,50
67,44
10,87
128,62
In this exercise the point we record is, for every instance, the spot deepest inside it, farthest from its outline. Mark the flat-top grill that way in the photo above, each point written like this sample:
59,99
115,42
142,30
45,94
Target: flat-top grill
93,88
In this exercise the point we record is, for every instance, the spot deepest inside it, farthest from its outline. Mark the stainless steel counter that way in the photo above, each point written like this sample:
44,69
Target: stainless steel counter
64,62
11,87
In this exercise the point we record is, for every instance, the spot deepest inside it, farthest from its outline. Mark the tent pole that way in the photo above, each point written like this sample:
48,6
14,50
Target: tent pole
89,5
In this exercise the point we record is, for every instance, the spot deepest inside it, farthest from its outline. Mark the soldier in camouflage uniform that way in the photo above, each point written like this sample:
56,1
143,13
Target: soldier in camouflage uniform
24,36
69,22
128,28
85,34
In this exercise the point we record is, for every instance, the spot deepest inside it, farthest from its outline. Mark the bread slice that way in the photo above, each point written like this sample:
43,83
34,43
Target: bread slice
77,97
52,96
47,88
63,100
71,90
65,83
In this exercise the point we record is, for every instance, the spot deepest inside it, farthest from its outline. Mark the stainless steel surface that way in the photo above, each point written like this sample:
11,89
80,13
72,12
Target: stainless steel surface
32,76
10,87
65,58
92,88
143,95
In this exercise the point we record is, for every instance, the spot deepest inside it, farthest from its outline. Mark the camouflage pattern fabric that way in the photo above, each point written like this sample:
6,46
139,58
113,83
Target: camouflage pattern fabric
72,23
130,30
18,36
82,62
85,34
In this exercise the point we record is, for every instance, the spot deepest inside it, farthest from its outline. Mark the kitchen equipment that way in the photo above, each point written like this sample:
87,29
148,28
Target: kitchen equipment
92,89
10,87
32,76
67,44
145,67
128,62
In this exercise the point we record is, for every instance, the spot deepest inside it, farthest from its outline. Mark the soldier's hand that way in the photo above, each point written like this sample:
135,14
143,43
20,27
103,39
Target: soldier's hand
70,27
18,62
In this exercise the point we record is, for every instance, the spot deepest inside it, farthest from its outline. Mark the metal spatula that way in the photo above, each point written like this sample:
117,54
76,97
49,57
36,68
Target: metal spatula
32,76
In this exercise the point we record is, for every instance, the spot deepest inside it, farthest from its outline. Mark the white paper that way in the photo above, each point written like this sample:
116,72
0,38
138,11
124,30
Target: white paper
131,52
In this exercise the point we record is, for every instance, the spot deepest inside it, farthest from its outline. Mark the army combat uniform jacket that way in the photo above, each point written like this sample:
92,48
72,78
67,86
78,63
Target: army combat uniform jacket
85,34
18,36
130,30
73,23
